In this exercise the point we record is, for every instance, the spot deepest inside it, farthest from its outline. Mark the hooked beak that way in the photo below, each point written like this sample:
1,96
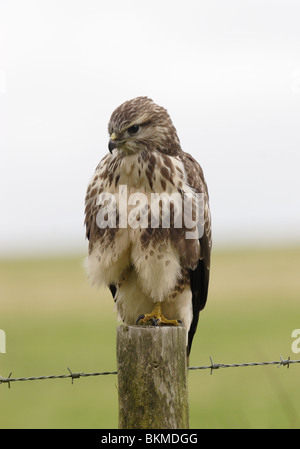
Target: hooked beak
112,144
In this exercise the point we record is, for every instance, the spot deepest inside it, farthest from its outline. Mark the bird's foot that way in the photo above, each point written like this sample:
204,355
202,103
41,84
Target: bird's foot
156,317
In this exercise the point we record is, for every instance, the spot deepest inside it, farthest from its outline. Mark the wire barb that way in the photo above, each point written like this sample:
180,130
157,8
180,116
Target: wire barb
284,362
6,380
74,375
213,366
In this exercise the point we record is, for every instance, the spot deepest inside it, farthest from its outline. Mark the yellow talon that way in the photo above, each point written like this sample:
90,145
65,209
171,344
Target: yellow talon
157,317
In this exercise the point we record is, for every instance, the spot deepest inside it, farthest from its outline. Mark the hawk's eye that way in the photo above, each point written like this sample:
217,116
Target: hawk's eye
133,129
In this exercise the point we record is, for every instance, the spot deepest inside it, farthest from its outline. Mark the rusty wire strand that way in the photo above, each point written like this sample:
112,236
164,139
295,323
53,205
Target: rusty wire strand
211,367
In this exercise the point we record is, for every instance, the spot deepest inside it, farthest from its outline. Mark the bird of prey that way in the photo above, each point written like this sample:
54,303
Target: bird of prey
154,272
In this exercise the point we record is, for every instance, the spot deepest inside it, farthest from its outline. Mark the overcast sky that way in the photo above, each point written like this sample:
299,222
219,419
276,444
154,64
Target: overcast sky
227,71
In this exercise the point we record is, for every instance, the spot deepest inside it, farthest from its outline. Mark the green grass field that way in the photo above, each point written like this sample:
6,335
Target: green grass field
54,320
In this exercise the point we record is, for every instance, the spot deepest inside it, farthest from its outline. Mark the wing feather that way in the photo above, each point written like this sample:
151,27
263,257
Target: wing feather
199,277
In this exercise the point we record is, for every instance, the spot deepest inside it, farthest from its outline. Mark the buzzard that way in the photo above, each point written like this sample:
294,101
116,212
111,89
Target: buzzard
157,273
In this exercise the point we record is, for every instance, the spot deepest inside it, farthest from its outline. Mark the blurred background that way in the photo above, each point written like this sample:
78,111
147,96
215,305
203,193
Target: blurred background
229,75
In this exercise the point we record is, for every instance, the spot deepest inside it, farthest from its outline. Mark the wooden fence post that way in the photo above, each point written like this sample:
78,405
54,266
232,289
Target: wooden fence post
152,377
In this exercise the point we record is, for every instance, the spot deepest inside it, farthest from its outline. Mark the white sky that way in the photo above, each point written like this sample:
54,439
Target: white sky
227,71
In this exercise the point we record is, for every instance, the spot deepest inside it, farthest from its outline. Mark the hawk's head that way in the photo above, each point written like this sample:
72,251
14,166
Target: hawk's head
141,124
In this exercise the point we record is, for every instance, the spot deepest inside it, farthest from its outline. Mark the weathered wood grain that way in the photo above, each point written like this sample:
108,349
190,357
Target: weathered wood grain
152,377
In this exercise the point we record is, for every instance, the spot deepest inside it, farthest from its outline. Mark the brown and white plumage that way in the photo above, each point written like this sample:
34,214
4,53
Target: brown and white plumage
145,265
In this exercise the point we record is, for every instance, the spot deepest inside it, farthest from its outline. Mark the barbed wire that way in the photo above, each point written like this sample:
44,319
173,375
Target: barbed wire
213,366
73,376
